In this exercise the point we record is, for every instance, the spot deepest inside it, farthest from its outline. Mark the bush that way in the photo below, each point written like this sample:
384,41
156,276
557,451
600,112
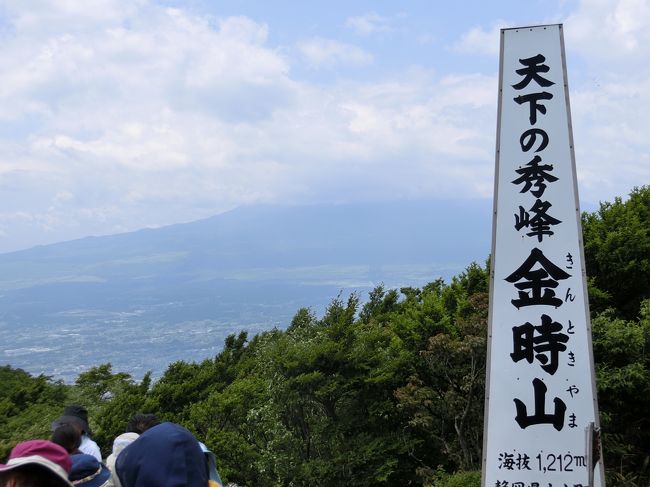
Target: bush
440,478
462,479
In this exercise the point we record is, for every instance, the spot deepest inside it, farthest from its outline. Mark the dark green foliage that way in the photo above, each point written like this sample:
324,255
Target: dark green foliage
111,400
462,479
622,350
440,478
444,401
617,253
28,405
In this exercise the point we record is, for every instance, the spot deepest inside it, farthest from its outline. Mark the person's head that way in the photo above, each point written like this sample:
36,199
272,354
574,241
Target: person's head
141,422
119,444
76,416
166,455
70,421
27,477
81,413
89,472
36,463
122,441
68,436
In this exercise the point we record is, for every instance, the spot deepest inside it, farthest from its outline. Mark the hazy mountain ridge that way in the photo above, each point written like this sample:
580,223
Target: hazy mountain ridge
251,268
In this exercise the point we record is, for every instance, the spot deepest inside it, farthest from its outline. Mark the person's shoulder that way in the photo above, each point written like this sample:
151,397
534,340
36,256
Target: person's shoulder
89,447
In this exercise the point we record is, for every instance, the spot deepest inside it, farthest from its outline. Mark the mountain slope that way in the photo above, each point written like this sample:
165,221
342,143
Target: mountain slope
194,283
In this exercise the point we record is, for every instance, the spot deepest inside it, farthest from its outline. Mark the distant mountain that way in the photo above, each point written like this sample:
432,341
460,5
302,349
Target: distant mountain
146,298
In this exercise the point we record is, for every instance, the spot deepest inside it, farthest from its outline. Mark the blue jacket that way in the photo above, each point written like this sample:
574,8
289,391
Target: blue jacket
166,455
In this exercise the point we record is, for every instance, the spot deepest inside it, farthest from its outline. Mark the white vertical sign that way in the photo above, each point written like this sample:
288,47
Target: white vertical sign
540,392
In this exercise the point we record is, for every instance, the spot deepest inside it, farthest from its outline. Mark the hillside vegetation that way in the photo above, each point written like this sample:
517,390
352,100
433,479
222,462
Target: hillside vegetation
388,391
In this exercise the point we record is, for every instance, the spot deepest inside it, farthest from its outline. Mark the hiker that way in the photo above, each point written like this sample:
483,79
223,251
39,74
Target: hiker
77,416
36,463
67,436
141,422
137,425
166,455
119,444
87,471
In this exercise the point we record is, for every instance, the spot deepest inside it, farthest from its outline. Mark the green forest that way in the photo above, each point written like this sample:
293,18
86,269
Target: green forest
384,389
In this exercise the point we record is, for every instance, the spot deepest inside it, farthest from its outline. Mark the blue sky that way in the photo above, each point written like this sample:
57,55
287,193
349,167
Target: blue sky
119,115
397,34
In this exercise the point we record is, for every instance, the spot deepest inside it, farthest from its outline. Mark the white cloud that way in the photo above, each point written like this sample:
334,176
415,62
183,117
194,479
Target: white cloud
481,41
611,31
328,52
611,120
369,23
607,43
133,115
611,98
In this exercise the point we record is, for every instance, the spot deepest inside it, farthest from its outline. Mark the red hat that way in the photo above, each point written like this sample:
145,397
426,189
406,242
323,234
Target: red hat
41,454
